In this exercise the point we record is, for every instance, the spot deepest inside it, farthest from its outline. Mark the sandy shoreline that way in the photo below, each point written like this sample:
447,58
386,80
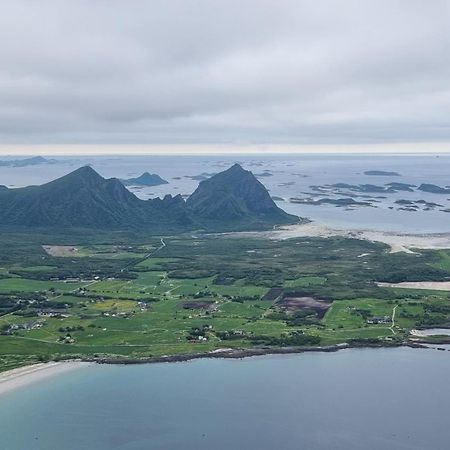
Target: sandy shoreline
431,332
23,376
426,285
398,242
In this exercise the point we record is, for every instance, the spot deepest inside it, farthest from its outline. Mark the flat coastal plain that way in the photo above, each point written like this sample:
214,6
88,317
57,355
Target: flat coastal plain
398,242
140,298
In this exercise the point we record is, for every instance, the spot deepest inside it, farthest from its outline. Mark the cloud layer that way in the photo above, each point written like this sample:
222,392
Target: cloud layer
226,71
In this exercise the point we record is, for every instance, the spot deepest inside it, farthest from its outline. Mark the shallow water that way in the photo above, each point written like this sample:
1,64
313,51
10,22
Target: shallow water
393,399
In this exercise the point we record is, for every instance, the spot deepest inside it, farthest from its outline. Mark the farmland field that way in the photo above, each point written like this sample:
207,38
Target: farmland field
139,298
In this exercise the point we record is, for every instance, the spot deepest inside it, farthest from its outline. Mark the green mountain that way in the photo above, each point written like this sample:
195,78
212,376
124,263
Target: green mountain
80,199
146,179
84,199
237,198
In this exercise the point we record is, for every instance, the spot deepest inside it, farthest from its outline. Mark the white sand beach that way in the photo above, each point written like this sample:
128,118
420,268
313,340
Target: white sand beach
398,242
22,376
427,285
430,332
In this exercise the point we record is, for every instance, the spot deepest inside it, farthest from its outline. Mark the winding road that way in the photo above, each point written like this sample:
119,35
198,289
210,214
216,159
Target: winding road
393,319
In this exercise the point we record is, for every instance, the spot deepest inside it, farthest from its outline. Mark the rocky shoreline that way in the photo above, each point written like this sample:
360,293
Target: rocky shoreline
246,353
17,378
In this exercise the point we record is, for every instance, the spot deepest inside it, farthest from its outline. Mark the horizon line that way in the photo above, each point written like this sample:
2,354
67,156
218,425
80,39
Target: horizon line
418,148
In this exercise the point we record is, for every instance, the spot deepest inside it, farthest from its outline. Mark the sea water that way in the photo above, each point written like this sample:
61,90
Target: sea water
372,399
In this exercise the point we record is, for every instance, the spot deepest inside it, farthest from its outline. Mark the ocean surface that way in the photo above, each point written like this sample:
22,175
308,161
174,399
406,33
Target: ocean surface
286,176
396,399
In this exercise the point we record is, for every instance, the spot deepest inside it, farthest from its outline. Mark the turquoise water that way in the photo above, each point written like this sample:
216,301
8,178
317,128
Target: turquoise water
354,399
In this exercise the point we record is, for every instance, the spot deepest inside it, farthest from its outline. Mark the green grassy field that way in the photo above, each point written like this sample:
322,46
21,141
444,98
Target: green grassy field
137,299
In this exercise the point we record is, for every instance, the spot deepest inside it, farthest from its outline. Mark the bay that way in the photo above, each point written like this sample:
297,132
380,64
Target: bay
395,399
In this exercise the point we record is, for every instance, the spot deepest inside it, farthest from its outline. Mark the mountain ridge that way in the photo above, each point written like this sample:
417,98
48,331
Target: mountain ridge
231,200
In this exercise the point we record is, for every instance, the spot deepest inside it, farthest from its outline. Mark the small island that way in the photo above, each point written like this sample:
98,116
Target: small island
200,177
33,161
146,179
381,173
433,189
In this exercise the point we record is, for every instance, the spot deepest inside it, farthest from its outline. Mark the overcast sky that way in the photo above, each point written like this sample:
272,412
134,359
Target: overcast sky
225,72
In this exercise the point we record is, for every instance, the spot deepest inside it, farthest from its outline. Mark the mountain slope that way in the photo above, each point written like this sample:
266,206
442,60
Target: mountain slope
80,199
233,199
235,196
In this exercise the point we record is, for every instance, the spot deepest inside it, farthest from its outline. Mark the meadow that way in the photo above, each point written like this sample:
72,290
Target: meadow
131,296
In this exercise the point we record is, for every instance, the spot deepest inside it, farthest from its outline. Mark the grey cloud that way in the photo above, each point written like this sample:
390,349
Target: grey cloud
256,71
